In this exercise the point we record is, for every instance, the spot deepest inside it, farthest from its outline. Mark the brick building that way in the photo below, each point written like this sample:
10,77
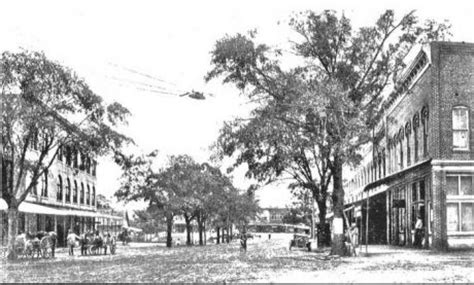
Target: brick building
64,198
422,158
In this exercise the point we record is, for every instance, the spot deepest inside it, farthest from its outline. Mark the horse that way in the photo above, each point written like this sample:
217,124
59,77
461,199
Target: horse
48,242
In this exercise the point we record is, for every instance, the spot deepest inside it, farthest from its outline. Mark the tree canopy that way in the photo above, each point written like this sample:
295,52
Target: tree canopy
47,108
335,95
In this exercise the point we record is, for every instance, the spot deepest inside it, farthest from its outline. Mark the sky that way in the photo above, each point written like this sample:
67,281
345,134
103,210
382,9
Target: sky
144,53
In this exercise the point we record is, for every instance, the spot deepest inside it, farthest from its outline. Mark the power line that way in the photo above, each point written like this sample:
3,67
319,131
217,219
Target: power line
141,73
133,82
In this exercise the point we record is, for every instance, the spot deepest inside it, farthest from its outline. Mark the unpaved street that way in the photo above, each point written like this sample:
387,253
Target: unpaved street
265,261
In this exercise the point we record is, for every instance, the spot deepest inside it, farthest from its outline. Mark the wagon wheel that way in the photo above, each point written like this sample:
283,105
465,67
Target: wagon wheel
45,252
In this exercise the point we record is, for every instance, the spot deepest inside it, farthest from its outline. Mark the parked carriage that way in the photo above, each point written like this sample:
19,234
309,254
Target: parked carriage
41,244
301,241
95,244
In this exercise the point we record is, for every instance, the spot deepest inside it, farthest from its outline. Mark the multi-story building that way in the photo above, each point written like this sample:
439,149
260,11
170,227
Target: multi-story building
64,198
421,162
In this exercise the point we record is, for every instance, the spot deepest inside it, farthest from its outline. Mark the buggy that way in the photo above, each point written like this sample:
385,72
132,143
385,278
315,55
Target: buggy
300,241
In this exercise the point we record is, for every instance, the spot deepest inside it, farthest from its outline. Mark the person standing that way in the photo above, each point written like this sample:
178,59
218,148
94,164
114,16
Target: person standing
354,232
418,231
71,241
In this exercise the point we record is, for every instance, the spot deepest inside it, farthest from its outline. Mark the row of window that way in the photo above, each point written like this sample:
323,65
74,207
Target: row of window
84,197
399,151
74,194
74,158
411,143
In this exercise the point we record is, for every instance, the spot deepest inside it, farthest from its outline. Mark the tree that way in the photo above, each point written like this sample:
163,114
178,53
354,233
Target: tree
350,72
46,111
300,211
338,93
278,143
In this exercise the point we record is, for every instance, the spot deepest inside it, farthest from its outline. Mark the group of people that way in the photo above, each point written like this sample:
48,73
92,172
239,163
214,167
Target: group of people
86,239
352,235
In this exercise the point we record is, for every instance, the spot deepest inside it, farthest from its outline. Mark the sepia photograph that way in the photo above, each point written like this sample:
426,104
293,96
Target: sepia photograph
208,141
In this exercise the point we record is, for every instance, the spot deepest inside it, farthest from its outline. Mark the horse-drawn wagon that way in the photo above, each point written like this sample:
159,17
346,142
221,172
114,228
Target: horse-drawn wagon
41,244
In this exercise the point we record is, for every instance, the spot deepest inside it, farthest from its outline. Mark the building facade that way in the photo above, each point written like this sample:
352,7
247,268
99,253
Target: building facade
63,199
421,162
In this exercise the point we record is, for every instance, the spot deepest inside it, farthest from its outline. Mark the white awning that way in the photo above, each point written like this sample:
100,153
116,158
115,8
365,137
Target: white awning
32,208
27,207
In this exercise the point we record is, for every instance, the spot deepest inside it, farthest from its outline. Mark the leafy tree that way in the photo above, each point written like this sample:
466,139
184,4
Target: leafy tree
47,110
341,83
350,70
278,143
149,221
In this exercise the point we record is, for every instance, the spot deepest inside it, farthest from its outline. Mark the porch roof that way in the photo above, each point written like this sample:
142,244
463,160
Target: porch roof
397,175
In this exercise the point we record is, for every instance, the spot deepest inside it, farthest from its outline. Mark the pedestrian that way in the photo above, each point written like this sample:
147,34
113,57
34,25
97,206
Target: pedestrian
71,241
354,232
83,243
243,242
269,236
418,231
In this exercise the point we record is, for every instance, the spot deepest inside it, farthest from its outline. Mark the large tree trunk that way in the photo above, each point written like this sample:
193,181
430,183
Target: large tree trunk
228,235
337,242
324,233
200,229
12,230
188,220
231,233
169,229
223,234
218,231
204,230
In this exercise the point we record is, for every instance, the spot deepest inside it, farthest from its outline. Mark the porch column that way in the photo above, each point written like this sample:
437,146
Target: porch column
440,236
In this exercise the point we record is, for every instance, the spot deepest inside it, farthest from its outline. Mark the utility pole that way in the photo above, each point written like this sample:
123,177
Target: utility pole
313,235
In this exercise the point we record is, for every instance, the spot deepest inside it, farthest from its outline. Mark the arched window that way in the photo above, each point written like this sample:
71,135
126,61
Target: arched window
460,128
60,153
44,184
424,116
88,165
74,193
68,155
407,134
93,196
83,161
416,124
68,191
75,158
88,195
59,194
400,138
82,193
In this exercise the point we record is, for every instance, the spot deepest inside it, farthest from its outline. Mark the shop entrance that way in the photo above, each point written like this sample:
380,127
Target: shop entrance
398,221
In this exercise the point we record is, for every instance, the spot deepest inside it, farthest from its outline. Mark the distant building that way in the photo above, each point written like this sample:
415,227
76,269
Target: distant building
422,159
272,215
